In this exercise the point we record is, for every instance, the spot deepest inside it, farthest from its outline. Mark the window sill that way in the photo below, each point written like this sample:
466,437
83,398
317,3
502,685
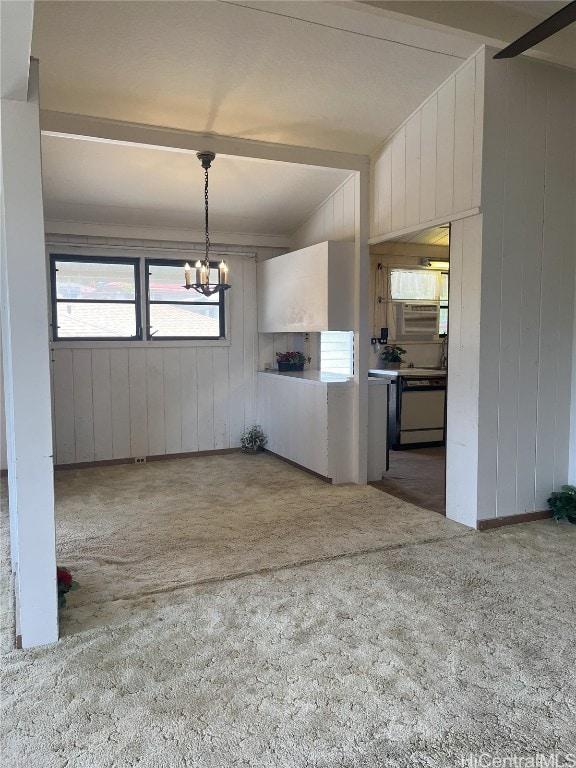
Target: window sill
126,344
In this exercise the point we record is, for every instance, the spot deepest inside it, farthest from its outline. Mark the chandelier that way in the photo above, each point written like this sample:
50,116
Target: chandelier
202,268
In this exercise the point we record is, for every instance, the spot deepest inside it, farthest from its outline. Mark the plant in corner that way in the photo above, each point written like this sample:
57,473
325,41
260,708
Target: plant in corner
563,504
392,354
65,584
253,440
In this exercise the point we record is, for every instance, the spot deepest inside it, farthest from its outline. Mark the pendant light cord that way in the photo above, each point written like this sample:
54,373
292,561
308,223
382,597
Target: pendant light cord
206,216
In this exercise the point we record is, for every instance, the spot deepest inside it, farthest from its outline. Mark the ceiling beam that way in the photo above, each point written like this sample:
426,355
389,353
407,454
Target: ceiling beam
119,132
16,20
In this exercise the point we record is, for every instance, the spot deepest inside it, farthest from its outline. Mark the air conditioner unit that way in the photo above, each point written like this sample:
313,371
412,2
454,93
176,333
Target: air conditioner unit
416,320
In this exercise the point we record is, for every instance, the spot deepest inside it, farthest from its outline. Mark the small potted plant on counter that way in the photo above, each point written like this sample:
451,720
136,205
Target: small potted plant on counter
291,361
563,504
391,356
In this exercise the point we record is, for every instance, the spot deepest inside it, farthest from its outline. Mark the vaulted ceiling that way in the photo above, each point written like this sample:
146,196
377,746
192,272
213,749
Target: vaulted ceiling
331,75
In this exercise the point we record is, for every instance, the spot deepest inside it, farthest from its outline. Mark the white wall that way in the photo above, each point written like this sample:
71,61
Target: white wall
430,168
462,426
334,219
527,288
512,271
26,369
3,459
120,400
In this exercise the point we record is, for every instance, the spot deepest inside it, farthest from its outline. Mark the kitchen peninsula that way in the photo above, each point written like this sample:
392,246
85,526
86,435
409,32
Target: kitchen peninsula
307,417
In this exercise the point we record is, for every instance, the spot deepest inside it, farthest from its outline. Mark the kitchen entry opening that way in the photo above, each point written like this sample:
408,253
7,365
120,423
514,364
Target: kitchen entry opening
412,295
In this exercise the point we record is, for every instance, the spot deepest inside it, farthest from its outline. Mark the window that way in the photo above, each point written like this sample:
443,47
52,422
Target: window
95,298
100,298
337,352
419,284
443,328
174,313
422,285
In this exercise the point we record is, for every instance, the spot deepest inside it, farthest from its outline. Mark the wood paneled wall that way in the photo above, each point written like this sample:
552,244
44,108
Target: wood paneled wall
527,285
114,401
333,220
430,168
3,459
463,371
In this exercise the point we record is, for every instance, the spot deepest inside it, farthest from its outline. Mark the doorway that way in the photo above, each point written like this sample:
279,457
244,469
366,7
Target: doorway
410,270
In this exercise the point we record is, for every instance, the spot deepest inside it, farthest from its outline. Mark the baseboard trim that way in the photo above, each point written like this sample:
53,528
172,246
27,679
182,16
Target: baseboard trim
499,522
130,460
299,466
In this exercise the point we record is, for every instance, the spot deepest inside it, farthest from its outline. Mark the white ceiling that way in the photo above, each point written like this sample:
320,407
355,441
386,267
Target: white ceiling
431,236
330,75
102,183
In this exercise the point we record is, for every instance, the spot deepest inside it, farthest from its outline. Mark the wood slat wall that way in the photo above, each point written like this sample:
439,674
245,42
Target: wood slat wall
333,220
430,168
114,401
527,288
463,371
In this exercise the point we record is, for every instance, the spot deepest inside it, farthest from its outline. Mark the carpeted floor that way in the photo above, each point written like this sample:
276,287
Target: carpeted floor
137,529
437,646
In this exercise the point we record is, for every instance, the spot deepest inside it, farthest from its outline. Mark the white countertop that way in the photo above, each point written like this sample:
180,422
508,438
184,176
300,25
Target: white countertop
419,373
312,376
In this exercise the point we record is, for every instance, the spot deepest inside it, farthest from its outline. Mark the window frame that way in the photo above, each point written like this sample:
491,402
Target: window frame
442,303
54,300
220,304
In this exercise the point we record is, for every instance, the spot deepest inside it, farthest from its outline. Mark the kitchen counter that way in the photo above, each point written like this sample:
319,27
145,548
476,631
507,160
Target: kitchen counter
313,376
415,373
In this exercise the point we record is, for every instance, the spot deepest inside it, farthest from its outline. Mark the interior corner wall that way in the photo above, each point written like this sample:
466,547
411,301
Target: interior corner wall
335,219
572,458
527,288
3,459
118,400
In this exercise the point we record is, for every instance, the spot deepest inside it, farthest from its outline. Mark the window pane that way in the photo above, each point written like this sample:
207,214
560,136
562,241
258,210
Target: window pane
414,284
443,325
184,320
165,283
443,286
91,280
95,320
337,352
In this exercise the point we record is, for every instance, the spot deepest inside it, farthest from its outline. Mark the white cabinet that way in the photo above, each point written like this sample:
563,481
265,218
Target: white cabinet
308,422
307,290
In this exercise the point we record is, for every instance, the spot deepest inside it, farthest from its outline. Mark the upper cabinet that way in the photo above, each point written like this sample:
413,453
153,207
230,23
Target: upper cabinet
307,290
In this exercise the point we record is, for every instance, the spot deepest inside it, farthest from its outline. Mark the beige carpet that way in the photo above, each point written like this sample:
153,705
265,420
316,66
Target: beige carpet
138,529
433,648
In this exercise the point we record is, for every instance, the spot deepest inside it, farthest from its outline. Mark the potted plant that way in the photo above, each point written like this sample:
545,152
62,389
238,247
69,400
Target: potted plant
391,356
291,361
253,440
563,504
65,583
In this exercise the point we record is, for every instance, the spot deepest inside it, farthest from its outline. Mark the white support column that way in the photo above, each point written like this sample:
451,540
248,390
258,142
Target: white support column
362,333
27,369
